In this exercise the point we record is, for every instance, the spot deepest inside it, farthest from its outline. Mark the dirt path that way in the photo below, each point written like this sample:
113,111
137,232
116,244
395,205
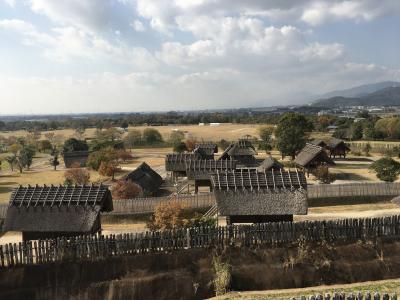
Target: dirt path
389,286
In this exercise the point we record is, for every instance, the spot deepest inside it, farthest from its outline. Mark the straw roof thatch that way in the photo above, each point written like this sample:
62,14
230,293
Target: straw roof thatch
144,176
47,209
312,155
249,192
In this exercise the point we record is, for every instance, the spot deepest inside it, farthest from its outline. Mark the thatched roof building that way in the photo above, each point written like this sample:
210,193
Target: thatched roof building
338,148
206,150
320,143
52,211
312,156
148,179
270,163
75,158
252,196
243,151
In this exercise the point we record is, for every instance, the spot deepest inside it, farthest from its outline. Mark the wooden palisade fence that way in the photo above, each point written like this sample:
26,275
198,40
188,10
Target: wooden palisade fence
350,296
97,247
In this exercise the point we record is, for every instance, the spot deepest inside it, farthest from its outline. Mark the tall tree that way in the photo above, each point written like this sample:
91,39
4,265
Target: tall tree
292,133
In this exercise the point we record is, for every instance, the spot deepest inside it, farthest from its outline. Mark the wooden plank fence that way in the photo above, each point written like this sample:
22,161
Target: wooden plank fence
98,247
350,296
353,190
148,205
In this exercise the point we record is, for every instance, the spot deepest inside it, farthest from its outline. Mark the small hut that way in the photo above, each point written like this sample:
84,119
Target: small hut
243,151
320,143
338,148
75,158
250,196
148,179
42,212
206,150
269,164
312,156
200,171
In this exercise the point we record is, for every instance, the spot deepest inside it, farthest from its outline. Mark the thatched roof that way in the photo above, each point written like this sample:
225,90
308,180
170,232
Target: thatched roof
72,209
320,143
269,163
177,161
206,149
249,192
202,169
144,176
336,143
75,157
312,154
238,149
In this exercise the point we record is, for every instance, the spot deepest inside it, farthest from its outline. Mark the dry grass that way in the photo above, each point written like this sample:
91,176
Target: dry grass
383,286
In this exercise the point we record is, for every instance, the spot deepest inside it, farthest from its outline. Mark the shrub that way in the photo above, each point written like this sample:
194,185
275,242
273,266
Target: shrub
124,155
108,168
168,215
123,189
151,136
190,144
222,276
180,147
386,169
77,176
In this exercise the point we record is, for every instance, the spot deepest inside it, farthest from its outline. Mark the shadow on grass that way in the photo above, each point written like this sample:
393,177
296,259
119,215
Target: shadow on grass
350,176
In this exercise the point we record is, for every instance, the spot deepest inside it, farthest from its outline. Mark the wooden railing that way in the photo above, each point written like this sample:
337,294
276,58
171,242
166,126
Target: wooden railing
97,247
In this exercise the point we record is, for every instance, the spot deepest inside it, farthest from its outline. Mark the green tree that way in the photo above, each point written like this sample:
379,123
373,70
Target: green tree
134,137
386,169
11,159
292,133
356,131
176,137
265,133
25,157
152,136
367,149
73,144
54,158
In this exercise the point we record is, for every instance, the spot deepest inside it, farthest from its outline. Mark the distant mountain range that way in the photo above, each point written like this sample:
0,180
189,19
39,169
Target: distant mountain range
378,94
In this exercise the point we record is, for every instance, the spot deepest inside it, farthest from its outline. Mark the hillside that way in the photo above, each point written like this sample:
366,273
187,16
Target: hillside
389,96
361,90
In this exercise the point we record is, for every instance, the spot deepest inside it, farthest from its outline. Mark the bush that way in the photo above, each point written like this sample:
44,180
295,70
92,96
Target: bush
108,168
386,169
180,147
123,189
77,176
222,276
151,136
168,215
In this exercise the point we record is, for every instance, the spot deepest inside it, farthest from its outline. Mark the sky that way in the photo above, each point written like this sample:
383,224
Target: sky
88,56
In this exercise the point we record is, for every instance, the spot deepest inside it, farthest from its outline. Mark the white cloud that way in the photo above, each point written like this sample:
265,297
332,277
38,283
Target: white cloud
11,3
138,26
90,15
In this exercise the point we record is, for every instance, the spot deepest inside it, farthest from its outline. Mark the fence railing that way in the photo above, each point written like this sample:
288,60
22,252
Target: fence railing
353,190
349,296
96,247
